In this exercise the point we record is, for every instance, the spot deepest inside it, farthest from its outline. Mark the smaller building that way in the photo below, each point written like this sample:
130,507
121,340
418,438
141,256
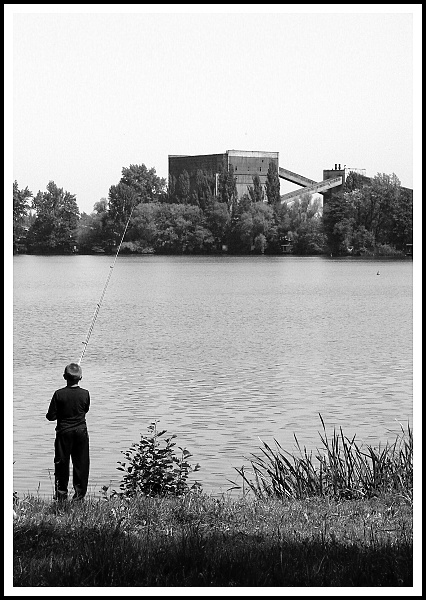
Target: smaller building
336,172
342,172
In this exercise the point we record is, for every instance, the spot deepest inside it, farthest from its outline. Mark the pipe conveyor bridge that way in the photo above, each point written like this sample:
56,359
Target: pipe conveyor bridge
309,185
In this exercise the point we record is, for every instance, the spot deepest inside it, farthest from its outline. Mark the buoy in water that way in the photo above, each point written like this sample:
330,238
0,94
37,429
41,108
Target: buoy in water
378,272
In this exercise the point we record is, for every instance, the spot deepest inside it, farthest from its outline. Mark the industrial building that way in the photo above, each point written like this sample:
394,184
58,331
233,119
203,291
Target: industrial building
247,163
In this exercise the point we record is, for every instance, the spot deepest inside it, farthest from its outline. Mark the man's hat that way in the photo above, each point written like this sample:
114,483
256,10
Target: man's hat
73,370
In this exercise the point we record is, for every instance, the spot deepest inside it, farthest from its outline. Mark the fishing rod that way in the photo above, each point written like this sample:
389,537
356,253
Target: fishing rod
98,306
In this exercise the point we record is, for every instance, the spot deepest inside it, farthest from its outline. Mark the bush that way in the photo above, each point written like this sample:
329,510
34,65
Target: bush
387,250
137,247
153,468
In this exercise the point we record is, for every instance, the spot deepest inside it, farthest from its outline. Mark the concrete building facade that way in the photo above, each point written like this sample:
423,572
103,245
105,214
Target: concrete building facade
248,163
245,163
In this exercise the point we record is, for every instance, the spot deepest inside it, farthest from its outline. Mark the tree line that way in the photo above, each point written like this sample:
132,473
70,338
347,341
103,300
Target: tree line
195,214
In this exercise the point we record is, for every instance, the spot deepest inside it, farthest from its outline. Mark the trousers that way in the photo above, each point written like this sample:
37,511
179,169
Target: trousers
72,444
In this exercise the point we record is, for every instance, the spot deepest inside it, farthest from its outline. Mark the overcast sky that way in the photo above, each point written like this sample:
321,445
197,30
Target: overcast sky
95,91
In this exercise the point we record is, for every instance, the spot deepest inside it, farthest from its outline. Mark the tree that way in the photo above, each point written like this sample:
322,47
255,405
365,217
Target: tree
218,221
362,241
283,224
272,185
300,221
171,190
309,238
260,243
122,199
385,190
355,181
90,235
369,216
199,240
402,220
180,229
255,191
101,206
183,188
20,211
143,229
55,227
204,188
227,186
85,233
264,228
144,182
251,220
338,223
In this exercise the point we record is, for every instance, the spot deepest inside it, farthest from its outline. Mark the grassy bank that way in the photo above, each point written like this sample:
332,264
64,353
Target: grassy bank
340,518
199,540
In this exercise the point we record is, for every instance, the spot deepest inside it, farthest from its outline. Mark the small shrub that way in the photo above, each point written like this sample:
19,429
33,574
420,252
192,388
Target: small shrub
387,250
154,469
138,247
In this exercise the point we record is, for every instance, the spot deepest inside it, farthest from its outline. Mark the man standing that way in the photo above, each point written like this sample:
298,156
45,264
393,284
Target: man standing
68,407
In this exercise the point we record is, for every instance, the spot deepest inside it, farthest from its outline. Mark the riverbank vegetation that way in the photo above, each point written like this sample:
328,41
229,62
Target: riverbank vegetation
196,214
341,468
198,540
344,520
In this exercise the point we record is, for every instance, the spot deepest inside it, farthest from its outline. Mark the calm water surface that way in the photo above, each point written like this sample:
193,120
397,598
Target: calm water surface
221,350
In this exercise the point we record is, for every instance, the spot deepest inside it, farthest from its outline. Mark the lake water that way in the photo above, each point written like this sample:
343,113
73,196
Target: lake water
221,351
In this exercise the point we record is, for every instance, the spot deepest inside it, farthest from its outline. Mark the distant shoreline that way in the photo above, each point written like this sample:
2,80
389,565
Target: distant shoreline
399,256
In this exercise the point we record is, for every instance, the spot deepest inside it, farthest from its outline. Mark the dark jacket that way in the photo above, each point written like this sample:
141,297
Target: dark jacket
69,406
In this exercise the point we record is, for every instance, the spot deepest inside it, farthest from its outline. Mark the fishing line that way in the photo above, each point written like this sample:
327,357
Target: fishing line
98,306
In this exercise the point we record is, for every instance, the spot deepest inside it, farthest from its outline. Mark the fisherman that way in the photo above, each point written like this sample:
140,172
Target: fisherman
68,407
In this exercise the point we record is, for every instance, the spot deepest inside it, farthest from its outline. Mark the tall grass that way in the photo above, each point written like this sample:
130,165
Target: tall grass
198,540
341,469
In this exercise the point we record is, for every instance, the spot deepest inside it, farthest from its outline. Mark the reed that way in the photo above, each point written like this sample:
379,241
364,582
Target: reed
341,469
